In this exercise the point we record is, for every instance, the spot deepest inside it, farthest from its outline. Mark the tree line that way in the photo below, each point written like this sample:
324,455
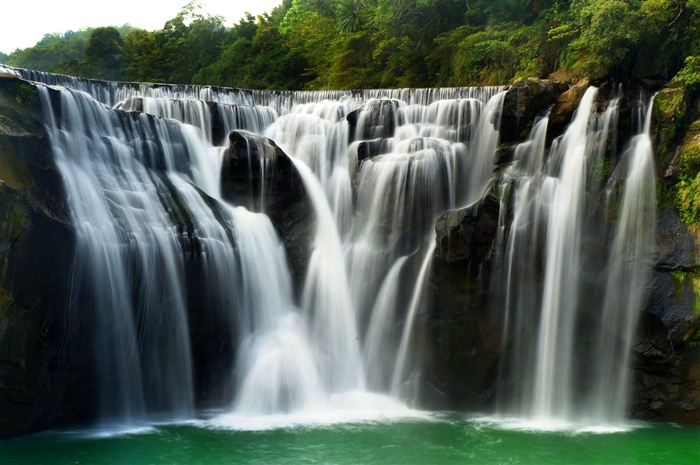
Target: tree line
331,44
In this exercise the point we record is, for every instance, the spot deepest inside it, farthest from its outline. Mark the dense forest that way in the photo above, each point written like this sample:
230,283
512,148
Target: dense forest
326,44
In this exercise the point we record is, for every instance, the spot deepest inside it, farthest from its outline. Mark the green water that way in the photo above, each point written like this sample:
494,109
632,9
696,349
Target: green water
441,439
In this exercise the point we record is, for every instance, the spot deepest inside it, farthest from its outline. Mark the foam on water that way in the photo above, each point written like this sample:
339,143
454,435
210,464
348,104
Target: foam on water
348,407
545,424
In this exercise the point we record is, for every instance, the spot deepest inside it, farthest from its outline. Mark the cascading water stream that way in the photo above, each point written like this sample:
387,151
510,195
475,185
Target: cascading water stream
548,377
552,388
277,364
326,298
627,277
526,179
130,255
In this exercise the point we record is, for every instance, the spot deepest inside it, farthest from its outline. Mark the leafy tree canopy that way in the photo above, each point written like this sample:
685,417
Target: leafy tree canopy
316,44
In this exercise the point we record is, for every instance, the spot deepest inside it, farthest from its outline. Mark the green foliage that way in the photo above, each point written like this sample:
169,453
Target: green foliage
187,43
52,50
352,16
317,44
609,30
491,55
311,33
261,61
485,57
353,63
689,75
671,32
141,56
103,56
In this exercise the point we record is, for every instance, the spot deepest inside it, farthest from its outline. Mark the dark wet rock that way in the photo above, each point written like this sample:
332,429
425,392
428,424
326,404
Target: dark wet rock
466,236
666,378
505,155
525,100
672,300
376,119
42,362
675,246
669,117
257,174
465,334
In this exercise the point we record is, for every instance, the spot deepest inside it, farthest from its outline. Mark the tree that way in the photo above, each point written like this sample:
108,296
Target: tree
672,33
52,50
608,32
188,42
263,61
141,57
103,56
310,30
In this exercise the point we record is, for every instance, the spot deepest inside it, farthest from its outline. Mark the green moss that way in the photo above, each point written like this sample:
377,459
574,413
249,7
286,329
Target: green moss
687,199
24,93
670,107
681,278
678,279
690,159
599,171
13,169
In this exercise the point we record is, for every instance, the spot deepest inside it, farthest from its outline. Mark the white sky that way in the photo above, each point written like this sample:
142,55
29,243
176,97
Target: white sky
24,22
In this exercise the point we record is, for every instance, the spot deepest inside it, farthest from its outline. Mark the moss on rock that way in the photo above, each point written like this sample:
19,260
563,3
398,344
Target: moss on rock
687,189
669,113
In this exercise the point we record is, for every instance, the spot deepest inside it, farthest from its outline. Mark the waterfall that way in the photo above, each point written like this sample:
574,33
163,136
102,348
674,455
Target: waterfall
164,260
559,231
327,301
129,255
141,167
562,266
627,276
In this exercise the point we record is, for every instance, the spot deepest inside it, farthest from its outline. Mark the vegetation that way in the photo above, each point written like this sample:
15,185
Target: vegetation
315,44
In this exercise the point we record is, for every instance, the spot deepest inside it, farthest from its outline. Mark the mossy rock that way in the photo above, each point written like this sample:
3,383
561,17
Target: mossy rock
525,100
686,191
37,250
669,115
690,152
20,103
567,103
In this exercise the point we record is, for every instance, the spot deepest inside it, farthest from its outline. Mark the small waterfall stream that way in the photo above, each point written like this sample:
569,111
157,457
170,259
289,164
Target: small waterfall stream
141,165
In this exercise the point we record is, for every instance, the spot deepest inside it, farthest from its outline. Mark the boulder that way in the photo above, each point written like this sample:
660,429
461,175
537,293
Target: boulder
256,173
675,247
465,333
666,377
466,236
673,300
375,119
565,106
525,100
669,118
667,350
